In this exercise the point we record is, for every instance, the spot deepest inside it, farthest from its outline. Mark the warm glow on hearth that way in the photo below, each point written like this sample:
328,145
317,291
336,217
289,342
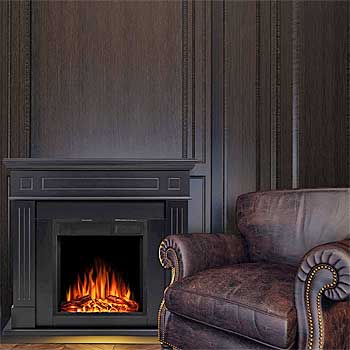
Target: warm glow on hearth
99,290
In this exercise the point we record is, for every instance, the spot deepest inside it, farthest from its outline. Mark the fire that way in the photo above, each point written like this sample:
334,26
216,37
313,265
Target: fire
99,290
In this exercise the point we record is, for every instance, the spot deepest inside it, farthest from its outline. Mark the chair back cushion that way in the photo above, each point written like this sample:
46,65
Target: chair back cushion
281,226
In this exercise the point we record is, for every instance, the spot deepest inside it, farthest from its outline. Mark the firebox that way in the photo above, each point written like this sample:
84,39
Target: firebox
99,274
85,237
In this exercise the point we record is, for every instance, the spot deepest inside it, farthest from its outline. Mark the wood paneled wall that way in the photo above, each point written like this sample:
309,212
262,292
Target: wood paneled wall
256,91
285,97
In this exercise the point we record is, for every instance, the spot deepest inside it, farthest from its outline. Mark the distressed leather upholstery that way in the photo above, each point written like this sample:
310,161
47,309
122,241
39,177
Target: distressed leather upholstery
201,251
271,221
225,297
283,281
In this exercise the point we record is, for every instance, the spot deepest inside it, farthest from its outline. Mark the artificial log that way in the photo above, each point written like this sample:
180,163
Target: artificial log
110,304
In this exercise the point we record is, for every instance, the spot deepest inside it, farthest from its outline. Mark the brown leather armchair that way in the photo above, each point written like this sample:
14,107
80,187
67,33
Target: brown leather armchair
281,282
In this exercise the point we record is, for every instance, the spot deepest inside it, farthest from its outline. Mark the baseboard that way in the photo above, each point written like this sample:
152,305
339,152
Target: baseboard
61,335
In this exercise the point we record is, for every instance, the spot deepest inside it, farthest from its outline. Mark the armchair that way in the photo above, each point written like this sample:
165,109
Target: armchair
281,282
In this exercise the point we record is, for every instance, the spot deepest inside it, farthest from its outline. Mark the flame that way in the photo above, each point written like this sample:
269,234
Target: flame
99,290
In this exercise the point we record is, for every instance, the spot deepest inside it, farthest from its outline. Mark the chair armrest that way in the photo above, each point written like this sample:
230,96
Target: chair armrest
323,273
188,254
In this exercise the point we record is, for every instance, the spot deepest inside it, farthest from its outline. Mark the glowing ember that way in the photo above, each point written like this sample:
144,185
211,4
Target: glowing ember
100,290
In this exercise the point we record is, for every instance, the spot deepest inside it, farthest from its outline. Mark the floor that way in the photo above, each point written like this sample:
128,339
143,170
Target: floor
79,347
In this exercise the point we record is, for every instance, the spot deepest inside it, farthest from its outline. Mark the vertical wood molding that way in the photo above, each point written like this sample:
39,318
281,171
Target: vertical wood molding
196,80
190,67
275,92
263,95
19,129
185,95
202,107
24,262
200,135
348,92
217,117
204,65
8,86
296,91
178,217
274,95
8,80
192,78
191,39
224,123
258,93
27,75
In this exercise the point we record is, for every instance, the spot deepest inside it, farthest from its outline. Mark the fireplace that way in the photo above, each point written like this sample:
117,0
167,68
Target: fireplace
116,239
85,239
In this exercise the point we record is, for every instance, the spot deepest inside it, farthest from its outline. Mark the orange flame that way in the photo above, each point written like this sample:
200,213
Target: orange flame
100,290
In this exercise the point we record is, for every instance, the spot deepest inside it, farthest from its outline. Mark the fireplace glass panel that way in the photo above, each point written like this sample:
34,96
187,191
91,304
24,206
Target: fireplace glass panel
100,274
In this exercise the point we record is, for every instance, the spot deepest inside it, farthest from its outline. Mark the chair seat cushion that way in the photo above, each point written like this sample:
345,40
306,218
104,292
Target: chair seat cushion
255,300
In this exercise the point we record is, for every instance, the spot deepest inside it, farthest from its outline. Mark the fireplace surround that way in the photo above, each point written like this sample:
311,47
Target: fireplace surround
85,237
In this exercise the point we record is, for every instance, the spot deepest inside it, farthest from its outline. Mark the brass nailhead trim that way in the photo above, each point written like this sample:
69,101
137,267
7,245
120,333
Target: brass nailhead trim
175,273
318,302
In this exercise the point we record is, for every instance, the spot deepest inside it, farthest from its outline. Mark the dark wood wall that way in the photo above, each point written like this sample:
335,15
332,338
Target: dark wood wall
257,92
284,77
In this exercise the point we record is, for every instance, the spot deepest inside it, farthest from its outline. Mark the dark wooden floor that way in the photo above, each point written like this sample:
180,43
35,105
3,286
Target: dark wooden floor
78,347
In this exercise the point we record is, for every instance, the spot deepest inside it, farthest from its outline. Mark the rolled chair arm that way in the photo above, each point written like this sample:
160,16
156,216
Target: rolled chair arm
190,253
323,272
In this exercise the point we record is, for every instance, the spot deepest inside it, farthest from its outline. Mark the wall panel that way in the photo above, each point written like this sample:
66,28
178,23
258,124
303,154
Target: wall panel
102,86
119,79
197,219
286,97
324,117
239,103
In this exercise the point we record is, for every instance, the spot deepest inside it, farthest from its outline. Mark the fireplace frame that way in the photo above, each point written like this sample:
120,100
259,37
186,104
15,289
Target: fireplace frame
35,181
47,277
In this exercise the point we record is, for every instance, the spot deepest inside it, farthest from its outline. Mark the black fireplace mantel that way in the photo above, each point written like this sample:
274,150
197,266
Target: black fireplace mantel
42,191
105,179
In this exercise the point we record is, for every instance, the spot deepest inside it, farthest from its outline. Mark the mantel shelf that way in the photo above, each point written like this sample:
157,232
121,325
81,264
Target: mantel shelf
98,164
